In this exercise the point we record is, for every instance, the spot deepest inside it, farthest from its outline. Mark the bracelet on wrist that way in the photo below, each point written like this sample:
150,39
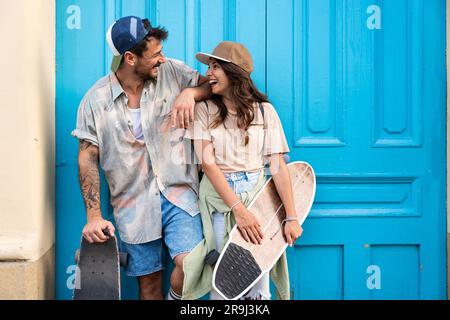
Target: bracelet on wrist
289,219
235,204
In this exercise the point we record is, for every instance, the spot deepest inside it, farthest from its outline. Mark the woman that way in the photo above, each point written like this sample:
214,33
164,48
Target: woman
236,133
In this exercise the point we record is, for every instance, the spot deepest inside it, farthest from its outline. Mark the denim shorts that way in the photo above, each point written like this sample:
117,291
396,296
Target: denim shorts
181,233
240,182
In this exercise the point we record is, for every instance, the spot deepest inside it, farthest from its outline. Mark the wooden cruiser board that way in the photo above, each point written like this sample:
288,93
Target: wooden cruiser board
241,264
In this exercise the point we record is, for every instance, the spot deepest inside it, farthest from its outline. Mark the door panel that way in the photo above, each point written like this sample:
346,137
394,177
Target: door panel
361,93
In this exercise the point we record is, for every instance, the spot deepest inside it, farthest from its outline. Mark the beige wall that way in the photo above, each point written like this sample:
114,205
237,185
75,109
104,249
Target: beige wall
28,280
27,133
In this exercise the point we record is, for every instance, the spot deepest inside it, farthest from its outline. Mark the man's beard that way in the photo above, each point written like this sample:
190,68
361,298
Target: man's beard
146,76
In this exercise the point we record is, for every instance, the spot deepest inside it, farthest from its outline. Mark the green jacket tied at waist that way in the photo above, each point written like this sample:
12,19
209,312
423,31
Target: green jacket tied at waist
198,274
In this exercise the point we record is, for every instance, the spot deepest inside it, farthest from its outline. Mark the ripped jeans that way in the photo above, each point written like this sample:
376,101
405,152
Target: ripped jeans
240,182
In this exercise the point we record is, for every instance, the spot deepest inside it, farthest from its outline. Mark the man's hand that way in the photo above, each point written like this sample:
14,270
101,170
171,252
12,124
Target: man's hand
183,109
93,230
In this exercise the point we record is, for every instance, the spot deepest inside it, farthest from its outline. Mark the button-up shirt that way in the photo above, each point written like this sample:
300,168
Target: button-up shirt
137,171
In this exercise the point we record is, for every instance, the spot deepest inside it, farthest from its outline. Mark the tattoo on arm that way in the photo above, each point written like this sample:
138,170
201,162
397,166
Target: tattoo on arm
89,176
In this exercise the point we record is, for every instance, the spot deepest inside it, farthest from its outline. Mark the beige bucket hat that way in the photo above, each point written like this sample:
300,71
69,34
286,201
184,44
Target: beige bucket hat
229,51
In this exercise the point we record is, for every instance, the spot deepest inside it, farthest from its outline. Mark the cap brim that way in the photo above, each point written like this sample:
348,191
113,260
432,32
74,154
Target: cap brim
205,57
116,63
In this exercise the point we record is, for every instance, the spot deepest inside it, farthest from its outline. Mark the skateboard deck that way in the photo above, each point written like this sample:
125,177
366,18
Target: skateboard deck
241,264
98,271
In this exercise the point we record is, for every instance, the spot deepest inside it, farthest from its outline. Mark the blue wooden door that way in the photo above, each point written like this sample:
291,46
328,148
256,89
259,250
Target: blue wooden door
360,89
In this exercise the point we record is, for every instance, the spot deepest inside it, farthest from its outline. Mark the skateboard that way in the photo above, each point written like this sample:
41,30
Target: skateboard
98,270
241,264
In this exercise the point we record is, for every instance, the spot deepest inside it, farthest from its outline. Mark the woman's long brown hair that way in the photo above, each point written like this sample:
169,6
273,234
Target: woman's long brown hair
243,93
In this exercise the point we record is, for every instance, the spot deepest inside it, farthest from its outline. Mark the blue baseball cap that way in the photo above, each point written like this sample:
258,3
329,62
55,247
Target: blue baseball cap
124,34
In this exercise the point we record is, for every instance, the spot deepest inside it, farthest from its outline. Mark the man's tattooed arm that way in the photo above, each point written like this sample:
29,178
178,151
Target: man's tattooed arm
88,156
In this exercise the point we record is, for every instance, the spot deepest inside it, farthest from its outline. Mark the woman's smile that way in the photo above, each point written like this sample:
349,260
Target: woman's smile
218,80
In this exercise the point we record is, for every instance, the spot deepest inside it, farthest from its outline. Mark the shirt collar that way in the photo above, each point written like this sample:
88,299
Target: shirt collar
116,88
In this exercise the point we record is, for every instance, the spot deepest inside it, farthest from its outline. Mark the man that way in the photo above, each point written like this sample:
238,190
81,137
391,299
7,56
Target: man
127,122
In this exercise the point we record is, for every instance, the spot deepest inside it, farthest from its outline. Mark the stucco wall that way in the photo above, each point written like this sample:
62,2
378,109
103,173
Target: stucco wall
27,138
29,279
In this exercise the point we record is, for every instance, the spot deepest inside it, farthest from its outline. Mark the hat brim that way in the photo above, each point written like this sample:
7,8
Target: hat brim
115,64
205,58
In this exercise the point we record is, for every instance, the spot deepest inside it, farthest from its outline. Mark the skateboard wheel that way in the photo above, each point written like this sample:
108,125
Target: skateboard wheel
77,255
212,257
123,258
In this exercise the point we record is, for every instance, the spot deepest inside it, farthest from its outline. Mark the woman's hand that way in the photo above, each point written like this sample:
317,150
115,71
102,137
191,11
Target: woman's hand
292,231
247,224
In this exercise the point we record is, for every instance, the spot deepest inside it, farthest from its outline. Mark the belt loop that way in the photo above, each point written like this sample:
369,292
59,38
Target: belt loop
246,176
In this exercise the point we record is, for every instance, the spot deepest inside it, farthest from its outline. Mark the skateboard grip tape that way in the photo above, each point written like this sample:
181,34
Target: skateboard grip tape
237,270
